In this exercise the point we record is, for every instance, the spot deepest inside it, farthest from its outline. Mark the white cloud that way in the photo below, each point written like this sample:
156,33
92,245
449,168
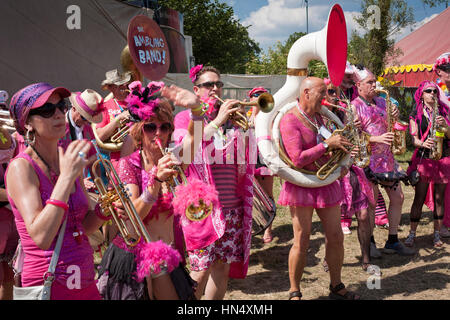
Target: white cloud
407,30
280,18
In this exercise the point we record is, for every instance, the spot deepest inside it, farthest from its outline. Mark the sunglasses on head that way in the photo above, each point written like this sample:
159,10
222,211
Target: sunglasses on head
331,91
430,91
48,110
211,84
152,127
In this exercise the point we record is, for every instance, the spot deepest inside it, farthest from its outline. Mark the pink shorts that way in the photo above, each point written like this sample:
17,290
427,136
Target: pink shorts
227,249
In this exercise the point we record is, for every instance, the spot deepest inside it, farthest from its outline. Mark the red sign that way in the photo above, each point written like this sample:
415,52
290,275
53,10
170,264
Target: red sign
148,47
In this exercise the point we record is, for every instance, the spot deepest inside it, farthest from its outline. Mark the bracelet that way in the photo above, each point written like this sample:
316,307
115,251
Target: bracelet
196,117
58,203
147,197
214,125
199,108
98,212
152,176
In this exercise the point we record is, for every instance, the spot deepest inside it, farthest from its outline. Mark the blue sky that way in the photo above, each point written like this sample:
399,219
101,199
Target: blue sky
274,20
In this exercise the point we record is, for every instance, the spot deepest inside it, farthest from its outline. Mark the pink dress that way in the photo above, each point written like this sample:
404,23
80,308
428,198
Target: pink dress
300,143
75,258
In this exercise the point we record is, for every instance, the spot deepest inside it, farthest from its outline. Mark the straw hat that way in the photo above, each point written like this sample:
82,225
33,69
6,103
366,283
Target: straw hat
89,104
116,78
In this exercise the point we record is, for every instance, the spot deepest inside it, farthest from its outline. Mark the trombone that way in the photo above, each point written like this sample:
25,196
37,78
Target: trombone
265,103
131,236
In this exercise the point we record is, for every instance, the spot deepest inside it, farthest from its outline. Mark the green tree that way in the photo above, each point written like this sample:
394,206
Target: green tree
219,39
275,61
376,45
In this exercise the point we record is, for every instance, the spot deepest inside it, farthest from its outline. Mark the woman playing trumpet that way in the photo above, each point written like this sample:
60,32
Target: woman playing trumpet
146,173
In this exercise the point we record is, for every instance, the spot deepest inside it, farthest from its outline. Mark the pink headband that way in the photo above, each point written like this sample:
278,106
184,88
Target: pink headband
85,107
443,59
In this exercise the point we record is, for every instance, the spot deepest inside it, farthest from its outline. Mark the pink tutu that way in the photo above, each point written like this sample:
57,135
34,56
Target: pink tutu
437,171
322,197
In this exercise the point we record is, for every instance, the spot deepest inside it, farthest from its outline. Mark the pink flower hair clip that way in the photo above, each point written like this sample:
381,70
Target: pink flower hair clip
194,71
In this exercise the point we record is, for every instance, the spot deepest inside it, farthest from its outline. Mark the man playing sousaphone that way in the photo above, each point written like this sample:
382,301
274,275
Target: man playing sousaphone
383,169
306,141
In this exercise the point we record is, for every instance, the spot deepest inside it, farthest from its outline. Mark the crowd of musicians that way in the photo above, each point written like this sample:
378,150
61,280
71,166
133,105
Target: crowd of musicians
192,198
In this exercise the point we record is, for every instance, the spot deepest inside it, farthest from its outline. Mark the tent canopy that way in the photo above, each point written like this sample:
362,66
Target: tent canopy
420,50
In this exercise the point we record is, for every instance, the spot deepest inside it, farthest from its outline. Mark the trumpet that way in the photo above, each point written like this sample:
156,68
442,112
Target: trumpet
131,235
265,103
115,142
193,214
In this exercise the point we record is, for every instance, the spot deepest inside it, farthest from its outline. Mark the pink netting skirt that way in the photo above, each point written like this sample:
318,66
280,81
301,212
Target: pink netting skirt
437,171
322,197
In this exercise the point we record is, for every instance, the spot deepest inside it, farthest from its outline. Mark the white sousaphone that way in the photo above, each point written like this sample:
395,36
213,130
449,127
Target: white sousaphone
330,46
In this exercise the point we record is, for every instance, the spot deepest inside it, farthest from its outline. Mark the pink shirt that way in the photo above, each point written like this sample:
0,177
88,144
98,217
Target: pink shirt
75,258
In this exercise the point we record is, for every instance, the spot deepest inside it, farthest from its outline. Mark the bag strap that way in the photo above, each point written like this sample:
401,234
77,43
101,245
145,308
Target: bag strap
49,276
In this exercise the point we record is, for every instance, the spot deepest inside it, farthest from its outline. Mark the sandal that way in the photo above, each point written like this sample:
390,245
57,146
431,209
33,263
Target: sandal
346,296
295,294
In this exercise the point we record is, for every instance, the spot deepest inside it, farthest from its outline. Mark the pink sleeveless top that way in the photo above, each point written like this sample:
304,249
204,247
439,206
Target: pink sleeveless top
75,260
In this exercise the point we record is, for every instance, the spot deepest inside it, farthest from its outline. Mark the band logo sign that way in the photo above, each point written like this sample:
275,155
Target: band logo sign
148,47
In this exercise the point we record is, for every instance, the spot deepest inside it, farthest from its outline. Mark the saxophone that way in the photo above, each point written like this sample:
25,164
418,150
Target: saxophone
437,133
398,146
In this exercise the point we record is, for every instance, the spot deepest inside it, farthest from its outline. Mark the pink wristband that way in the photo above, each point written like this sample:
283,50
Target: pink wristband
98,212
58,203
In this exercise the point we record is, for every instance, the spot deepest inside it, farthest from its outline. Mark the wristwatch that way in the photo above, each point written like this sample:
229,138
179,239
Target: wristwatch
325,145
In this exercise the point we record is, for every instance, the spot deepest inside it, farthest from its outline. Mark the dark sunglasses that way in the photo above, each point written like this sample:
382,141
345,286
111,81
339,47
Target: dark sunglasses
444,67
151,127
211,84
48,110
430,91
331,91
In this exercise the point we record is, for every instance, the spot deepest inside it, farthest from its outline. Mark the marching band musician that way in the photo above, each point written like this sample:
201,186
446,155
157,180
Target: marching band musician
432,171
383,169
220,248
302,133
146,173
357,191
55,194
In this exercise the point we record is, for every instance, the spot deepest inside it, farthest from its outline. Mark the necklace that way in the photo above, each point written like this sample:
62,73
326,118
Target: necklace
315,125
53,175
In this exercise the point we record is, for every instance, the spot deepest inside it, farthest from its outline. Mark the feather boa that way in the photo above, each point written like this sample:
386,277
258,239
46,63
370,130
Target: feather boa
155,257
185,195
142,101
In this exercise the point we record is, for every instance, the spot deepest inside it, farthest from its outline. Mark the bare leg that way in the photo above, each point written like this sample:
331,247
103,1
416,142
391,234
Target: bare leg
201,277
266,183
301,224
396,199
163,288
364,234
217,284
416,209
6,281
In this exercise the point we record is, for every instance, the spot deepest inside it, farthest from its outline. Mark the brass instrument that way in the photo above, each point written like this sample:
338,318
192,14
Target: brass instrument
128,65
398,146
437,133
115,142
352,134
193,213
265,103
131,236
265,209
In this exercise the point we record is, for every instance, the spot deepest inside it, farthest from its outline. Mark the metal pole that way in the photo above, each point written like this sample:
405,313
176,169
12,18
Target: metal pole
306,16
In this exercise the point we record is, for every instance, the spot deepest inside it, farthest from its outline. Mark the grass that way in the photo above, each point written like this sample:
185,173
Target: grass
423,276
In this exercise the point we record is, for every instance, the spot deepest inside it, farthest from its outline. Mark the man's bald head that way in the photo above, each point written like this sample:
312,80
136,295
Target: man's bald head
312,91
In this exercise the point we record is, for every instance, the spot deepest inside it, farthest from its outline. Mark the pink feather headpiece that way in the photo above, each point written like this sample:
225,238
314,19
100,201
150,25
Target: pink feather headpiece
441,60
194,71
185,195
142,100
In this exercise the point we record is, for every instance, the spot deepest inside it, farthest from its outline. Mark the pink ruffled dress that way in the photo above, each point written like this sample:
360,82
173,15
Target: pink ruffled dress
300,143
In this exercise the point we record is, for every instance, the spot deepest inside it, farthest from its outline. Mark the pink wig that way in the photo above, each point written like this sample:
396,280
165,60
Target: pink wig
185,195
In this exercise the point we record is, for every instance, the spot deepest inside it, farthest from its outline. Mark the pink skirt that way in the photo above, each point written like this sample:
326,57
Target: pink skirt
437,171
318,198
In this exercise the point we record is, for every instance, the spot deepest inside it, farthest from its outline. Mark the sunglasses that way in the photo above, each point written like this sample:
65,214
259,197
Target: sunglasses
331,91
211,84
48,110
151,128
445,67
430,91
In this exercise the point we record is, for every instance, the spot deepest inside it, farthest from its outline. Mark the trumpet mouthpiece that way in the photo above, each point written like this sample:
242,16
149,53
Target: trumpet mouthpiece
326,103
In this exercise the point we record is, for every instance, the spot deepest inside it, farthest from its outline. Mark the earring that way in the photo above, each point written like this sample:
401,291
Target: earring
30,138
